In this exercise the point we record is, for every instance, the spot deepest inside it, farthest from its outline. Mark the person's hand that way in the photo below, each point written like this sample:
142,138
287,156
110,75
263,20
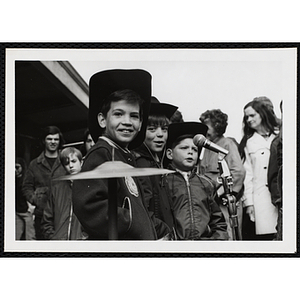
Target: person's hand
30,207
40,191
41,196
167,237
250,212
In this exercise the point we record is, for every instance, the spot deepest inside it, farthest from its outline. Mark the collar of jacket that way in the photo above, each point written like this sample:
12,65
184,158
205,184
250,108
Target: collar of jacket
103,143
42,160
113,144
218,138
192,172
143,151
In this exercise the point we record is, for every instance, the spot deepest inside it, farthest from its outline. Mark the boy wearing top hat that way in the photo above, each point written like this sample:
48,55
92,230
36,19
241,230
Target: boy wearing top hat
118,110
197,215
151,155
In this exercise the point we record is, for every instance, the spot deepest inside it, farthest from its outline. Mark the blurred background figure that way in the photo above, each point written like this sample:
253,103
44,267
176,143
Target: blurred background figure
217,122
41,170
24,218
59,221
275,177
88,143
177,117
269,104
259,126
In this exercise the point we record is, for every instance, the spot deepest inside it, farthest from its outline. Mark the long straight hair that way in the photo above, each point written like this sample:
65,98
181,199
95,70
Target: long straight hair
268,121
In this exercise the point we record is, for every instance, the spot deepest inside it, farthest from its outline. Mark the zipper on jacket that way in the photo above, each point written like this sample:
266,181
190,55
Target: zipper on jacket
186,178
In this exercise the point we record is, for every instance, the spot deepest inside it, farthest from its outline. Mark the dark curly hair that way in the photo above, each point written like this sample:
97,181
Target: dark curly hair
218,119
177,117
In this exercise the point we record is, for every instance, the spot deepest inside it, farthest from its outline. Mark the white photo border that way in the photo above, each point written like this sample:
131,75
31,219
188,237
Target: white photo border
285,54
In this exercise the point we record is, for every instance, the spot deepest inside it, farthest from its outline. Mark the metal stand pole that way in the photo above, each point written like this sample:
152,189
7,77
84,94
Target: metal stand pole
233,218
230,201
112,209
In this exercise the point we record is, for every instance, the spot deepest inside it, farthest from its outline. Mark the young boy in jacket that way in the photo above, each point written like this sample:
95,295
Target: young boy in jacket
118,112
151,155
197,215
59,221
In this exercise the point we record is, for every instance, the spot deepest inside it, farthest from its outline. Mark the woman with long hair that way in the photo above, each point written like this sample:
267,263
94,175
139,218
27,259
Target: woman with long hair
259,126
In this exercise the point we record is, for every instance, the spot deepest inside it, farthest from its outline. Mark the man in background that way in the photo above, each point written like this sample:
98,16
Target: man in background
41,170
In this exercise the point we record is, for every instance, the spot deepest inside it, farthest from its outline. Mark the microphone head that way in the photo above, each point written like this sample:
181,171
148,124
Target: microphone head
199,140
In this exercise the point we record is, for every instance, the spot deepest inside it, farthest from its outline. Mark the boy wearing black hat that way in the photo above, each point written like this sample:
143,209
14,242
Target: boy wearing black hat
119,104
151,155
197,215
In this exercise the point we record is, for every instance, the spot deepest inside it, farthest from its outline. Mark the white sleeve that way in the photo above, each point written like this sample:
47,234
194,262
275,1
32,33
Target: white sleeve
248,183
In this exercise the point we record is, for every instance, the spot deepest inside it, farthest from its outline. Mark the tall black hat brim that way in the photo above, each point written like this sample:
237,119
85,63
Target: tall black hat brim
163,109
103,83
177,130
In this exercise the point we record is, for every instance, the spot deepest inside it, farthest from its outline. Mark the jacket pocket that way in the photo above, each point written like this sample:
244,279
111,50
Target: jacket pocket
127,205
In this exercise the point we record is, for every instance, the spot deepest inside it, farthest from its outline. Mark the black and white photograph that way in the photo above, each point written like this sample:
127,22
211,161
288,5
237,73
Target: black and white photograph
111,222
174,150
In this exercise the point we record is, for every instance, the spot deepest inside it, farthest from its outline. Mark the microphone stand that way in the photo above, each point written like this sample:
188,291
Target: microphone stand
229,200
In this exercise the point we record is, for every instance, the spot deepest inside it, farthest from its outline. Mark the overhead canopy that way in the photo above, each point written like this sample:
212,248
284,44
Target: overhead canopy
50,93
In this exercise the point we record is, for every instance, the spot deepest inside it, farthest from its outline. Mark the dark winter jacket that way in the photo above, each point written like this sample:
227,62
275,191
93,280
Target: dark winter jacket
156,194
21,203
59,221
197,215
273,170
37,181
90,199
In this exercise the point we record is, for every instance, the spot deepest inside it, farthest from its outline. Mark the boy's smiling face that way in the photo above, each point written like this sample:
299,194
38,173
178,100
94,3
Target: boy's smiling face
184,155
156,137
122,122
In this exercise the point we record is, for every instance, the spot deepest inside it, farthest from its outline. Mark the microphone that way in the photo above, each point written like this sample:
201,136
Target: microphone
200,141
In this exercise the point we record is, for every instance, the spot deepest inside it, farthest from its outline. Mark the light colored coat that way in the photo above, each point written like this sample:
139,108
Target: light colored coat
256,193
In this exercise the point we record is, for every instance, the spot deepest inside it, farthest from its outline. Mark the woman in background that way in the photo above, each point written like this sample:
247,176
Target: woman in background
259,126
217,122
